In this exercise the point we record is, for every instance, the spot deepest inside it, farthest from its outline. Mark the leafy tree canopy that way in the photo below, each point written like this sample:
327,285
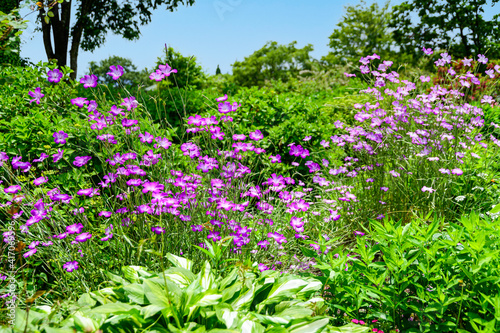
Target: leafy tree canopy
272,62
455,25
130,74
361,31
189,72
94,19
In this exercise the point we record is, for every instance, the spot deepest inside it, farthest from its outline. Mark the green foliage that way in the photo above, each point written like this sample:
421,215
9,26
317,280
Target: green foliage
424,276
362,31
458,26
11,27
130,75
272,62
189,72
177,300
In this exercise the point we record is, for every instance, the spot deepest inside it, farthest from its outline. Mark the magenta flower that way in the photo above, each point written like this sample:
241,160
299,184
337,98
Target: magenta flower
457,172
89,192
42,157
71,266
157,230
79,101
74,228
12,189
152,187
227,107
36,95
129,122
81,160
256,135
89,81
263,267
105,213
54,75
482,59
275,159
427,51
157,76
83,237
167,70
359,233
222,99
297,224
146,137
29,253
40,181
58,156
60,137
130,103
214,236
115,72
428,189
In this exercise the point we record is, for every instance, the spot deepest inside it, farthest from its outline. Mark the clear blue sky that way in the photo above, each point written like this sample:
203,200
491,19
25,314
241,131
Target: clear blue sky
215,31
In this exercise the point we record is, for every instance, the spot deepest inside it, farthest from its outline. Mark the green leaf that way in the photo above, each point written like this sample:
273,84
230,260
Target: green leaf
180,261
155,294
495,209
285,287
309,327
50,14
135,293
86,300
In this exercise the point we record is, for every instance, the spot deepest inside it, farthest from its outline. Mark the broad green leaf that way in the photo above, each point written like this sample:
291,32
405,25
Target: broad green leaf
309,327
206,276
180,276
135,293
180,261
495,209
151,310
285,287
116,308
155,294
244,300
209,298
225,314
130,274
86,300
250,326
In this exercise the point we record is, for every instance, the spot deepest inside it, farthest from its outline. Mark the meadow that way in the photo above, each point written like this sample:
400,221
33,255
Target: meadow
359,201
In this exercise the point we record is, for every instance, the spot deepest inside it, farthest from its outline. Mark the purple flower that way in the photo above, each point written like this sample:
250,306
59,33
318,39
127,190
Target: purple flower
12,189
36,95
89,192
60,137
115,72
71,266
129,122
263,244
146,137
256,135
130,103
428,189
157,76
359,233
482,59
227,107
74,228
167,70
385,189
427,51
29,253
81,161
263,267
55,75
157,230
40,181
222,99
297,224
89,81
214,236
58,156
457,172
275,159
83,237
307,138
152,187
105,213
42,157
79,101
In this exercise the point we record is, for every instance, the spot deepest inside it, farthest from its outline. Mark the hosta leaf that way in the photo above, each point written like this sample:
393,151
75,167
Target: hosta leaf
351,328
86,300
312,286
130,274
151,310
135,293
181,276
271,320
251,327
155,294
207,278
226,315
209,298
244,300
283,288
180,261
115,308
314,326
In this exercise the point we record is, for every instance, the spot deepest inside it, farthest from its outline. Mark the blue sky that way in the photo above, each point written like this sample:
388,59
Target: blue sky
217,32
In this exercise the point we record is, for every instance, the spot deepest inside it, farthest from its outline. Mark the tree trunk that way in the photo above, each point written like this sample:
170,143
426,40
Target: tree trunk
77,36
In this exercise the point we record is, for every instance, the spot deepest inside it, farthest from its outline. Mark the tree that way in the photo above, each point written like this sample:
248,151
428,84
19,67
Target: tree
454,25
272,62
217,71
10,28
362,31
94,18
130,74
189,72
